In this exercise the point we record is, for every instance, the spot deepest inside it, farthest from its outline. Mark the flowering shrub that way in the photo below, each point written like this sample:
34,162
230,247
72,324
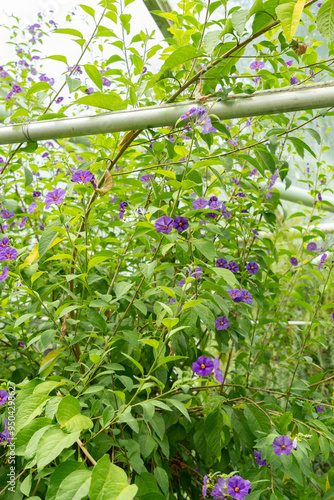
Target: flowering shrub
165,318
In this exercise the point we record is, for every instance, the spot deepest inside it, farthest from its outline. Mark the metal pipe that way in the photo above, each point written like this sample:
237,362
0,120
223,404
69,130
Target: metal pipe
300,195
313,96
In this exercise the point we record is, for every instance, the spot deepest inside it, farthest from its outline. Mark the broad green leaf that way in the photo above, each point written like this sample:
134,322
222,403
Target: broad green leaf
75,486
256,419
96,320
213,425
97,260
110,101
67,408
23,318
31,408
147,444
53,442
178,57
227,275
73,83
109,482
88,9
162,479
94,73
25,434
206,247
179,406
58,58
239,18
61,472
211,40
289,14
46,240
68,31
78,423
325,20
37,87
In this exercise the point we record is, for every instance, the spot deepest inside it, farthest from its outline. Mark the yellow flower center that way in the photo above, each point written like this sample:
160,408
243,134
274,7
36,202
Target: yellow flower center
283,447
222,322
236,489
180,223
8,255
165,226
82,177
56,198
202,366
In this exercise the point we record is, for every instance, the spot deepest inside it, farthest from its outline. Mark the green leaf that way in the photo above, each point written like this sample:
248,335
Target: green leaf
329,494
46,240
109,482
88,9
58,58
23,318
94,73
256,7
180,406
162,479
256,419
27,411
53,442
178,57
68,407
75,486
206,247
289,14
284,421
239,18
241,427
61,473
26,485
213,426
325,20
227,275
37,88
28,175
324,447
73,83
146,444
210,42
266,159
24,435
110,101
96,320
68,31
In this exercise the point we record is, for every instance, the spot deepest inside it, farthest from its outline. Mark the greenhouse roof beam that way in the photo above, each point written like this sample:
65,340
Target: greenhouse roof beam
313,96
162,22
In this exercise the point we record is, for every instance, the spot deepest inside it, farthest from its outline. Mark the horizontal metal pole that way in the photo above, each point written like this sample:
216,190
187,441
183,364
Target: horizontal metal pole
300,195
294,98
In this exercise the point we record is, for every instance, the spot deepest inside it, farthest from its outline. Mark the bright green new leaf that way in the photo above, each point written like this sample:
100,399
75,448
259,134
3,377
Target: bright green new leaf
289,14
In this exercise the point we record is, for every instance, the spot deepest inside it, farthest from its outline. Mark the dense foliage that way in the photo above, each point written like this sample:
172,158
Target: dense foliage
166,321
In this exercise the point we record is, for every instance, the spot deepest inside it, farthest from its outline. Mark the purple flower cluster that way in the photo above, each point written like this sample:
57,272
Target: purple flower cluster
322,260
282,445
272,180
240,295
258,460
56,196
201,118
3,396
165,224
235,487
5,434
213,204
204,366
122,206
82,176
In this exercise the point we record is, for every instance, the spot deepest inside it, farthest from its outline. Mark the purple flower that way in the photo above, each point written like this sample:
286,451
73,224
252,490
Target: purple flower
235,295
255,233
211,215
222,263
220,489
322,260
5,434
257,65
106,81
289,63
4,243
57,195
318,407
311,247
7,215
252,267
59,100
207,126
217,371
47,351
282,445
203,366
205,480
236,182
319,4
257,79
146,178
294,80
233,267
191,112
253,172
294,261
144,70
215,205
246,297
258,458
8,254
211,200
180,223
4,273
16,89
89,90
32,207
200,203
248,121
4,395
36,194
222,323
181,283
164,224
238,488
319,197
21,345
82,176
23,222
46,154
